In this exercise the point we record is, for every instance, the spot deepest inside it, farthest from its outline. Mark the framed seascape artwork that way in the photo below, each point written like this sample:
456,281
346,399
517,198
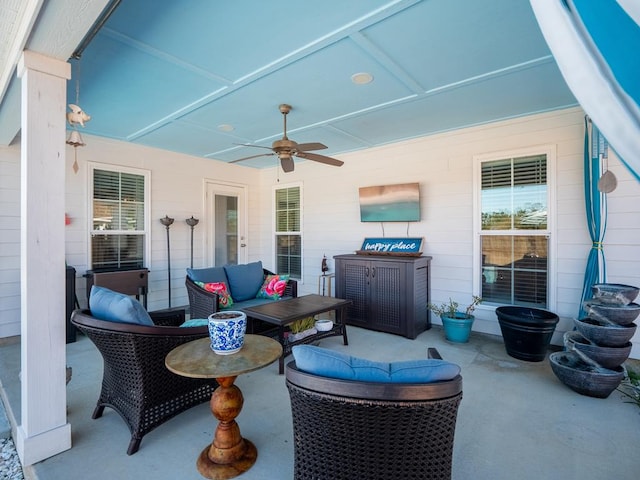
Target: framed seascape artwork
390,203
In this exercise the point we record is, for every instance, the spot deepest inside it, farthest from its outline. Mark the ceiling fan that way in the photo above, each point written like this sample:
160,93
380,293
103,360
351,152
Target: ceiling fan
286,149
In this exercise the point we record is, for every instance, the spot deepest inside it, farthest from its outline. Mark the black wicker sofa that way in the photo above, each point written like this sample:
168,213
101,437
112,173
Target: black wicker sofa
242,281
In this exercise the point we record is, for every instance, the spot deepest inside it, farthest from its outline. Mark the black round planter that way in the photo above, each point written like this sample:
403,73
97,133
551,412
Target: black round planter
526,331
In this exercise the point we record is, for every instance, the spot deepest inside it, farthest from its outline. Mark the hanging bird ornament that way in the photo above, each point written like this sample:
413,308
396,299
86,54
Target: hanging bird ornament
77,116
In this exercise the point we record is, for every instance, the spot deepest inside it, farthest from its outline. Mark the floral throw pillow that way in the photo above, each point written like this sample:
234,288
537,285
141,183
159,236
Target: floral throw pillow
273,287
224,297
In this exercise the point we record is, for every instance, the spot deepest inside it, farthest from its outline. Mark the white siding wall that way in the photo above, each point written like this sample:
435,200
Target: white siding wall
9,241
177,190
443,164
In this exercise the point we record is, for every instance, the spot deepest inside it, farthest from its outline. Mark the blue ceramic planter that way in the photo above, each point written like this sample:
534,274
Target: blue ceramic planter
457,329
226,331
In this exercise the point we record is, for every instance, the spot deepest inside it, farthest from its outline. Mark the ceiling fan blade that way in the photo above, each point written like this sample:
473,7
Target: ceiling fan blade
287,164
252,156
321,158
249,145
305,147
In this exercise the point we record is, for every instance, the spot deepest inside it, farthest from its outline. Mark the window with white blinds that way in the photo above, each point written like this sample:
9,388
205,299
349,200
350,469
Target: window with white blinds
119,225
288,231
514,236
514,194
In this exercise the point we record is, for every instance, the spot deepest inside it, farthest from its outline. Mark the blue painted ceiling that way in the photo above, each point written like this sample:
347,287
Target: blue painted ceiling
171,74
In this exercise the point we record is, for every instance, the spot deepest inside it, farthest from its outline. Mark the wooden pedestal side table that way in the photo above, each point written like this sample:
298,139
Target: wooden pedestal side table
229,454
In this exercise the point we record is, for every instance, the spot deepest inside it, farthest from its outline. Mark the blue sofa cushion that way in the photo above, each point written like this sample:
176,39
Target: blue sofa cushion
244,280
112,306
207,275
327,363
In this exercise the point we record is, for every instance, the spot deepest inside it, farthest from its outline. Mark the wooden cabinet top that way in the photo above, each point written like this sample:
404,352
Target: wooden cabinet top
383,258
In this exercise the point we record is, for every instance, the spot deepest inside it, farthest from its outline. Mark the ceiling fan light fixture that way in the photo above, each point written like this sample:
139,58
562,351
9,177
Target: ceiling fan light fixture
361,78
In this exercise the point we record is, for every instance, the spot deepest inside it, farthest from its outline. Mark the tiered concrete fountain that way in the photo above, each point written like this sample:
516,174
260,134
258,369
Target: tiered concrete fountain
591,362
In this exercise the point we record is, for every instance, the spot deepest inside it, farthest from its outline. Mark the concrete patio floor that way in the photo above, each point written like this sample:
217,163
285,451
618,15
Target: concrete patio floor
516,419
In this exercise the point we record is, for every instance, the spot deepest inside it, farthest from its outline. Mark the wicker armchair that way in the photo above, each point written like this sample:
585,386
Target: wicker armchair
346,429
135,381
203,303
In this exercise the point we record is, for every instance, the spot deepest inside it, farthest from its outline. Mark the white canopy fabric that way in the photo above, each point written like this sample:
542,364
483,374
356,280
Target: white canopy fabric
596,45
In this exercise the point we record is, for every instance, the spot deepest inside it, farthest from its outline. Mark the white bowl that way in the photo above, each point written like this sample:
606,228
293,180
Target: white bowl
324,325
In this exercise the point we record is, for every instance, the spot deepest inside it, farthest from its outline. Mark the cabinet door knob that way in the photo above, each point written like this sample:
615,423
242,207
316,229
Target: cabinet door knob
366,270
373,272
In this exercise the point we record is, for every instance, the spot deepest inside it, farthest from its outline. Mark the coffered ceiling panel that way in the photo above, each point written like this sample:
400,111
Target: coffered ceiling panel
202,76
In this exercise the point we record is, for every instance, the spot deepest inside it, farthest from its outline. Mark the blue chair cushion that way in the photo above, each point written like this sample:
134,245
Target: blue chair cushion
207,275
196,322
327,363
112,306
244,280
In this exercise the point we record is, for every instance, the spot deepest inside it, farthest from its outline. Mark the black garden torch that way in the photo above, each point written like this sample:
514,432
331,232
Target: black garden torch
192,222
167,222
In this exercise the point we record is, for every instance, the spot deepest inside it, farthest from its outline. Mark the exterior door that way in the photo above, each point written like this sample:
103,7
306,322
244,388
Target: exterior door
226,231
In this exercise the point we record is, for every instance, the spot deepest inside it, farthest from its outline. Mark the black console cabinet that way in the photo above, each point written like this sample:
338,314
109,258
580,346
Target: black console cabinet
389,293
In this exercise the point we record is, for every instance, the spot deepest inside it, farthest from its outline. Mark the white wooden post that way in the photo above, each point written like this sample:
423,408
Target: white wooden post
44,430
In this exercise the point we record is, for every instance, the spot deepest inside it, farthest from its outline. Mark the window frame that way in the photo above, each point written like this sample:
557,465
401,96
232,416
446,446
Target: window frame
275,226
549,232
146,232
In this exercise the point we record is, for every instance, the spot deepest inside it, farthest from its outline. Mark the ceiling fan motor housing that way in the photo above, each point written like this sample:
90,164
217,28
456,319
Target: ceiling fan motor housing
284,146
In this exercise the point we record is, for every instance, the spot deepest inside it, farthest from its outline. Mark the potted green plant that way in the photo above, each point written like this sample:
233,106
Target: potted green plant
302,328
630,386
457,324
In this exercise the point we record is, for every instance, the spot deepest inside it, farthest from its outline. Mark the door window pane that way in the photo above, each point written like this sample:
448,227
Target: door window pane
226,241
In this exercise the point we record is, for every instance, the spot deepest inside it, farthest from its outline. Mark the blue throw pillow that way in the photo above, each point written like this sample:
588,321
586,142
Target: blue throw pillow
328,363
207,275
112,306
244,280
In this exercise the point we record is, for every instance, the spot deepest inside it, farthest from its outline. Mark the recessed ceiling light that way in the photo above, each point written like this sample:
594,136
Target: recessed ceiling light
361,78
226,128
